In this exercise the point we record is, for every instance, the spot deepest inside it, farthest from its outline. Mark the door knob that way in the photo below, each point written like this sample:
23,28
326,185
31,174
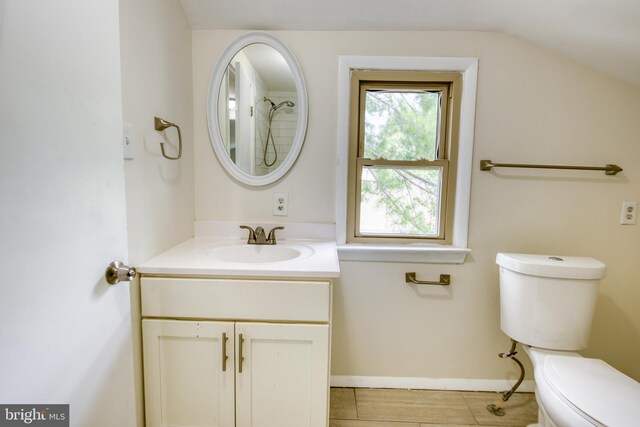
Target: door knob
118,272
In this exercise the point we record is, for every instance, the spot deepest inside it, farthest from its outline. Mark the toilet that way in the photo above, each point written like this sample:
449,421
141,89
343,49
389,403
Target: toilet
547,304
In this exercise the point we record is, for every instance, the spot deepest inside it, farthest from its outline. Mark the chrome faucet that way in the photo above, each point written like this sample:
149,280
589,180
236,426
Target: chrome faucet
258,237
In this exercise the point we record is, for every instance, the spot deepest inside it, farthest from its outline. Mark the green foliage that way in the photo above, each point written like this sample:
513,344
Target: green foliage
402,126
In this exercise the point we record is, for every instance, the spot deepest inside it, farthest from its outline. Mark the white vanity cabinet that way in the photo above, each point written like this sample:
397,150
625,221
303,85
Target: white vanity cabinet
231,352
185,381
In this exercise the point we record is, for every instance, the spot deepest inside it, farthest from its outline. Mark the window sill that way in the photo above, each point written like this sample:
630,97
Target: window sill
412,253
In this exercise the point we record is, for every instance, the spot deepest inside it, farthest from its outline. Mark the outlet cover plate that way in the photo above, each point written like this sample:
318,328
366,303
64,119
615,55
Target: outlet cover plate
629,213
280,204
127,141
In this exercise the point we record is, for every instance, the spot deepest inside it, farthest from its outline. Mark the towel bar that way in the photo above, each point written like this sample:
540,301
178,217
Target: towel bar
610,169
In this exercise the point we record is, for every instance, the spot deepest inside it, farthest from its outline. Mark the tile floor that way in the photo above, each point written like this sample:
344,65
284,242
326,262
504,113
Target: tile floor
365,407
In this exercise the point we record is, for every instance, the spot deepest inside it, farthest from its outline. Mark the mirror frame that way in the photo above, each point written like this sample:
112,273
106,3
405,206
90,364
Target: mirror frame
212,108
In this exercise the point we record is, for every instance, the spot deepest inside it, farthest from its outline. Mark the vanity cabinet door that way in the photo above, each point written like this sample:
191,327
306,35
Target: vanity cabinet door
186,383
284,380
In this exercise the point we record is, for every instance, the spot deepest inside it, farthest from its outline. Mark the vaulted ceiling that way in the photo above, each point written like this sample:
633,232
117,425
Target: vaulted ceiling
604,34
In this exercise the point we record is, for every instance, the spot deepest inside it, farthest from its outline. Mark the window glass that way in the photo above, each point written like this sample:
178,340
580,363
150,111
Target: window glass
401,125
400,201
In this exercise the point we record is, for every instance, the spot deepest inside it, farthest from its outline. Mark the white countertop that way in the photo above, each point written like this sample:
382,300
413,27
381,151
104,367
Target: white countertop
205,256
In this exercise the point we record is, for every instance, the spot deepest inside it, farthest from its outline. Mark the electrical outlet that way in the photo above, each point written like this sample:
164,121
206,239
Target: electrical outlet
281,204
629,213
127,141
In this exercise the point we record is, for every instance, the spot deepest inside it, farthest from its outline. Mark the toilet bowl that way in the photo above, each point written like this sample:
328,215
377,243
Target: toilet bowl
547,304
575,391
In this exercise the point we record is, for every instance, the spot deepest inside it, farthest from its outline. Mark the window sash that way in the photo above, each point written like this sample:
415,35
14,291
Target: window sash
361,163
441,131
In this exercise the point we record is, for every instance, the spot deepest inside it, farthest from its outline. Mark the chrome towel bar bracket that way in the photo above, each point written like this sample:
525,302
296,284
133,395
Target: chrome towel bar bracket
445,280
610,169
160,125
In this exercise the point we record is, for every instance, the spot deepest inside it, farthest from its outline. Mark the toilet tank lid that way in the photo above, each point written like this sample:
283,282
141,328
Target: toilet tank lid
564,267
595,388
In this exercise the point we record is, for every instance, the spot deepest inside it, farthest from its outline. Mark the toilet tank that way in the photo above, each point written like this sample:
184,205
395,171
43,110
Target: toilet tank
548,301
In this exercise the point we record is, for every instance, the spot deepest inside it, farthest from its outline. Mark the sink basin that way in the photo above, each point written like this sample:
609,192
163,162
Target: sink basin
257,254
232,256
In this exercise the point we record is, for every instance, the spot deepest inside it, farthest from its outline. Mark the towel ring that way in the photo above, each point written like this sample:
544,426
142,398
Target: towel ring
160,125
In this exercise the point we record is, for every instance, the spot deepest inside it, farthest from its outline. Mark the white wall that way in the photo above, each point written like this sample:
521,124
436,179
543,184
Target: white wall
533,106
156,81
155,40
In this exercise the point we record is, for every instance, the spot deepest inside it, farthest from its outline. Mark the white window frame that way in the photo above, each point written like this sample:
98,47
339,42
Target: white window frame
454,253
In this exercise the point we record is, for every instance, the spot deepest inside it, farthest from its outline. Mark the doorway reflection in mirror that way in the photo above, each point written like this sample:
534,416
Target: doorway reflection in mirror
259,119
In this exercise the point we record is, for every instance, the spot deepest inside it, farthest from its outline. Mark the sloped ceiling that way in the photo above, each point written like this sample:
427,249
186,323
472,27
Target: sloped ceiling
604,34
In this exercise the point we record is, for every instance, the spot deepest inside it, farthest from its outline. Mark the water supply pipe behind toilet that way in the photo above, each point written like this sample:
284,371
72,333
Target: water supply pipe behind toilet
496,408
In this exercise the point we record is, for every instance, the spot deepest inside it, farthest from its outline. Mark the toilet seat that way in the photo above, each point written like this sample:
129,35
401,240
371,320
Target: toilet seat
594,389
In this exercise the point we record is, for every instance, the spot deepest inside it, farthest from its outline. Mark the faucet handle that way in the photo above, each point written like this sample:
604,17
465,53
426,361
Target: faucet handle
252,234
271,240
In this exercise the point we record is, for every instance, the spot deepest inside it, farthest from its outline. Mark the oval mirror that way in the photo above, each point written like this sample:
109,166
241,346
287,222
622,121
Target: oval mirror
257,109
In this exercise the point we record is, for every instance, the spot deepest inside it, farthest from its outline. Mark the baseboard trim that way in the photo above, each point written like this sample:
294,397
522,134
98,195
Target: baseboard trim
418,383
